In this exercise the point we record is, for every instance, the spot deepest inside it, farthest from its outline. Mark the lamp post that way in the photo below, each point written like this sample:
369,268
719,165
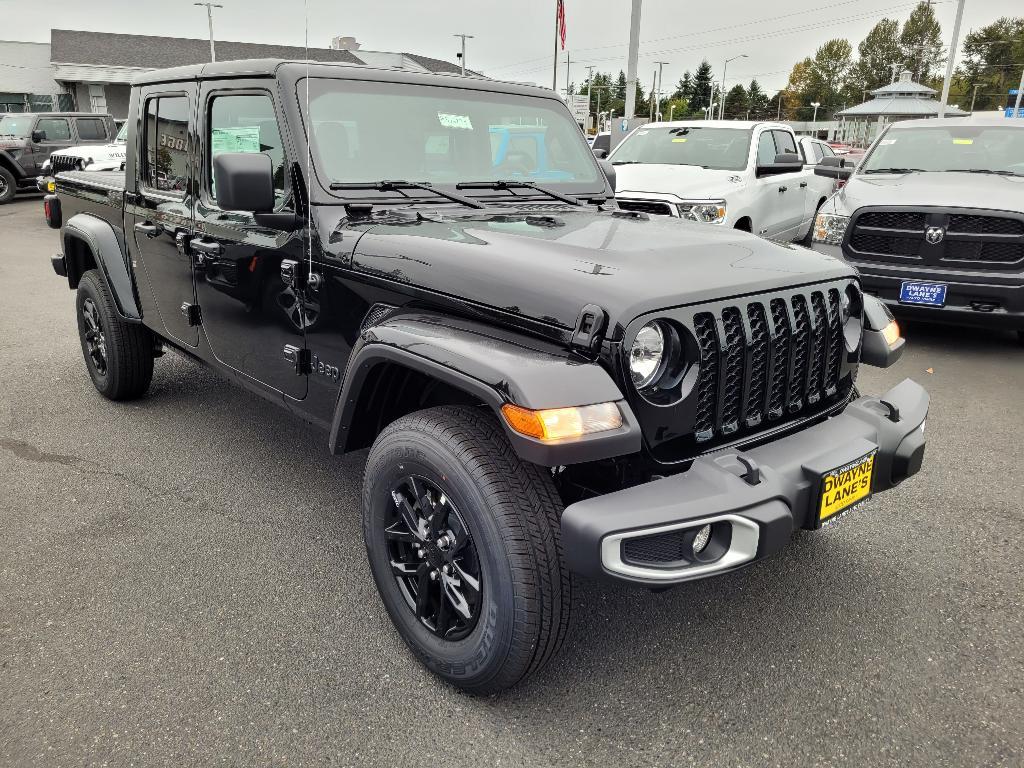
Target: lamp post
814,120
209,18
725,67
657,109
671,111
462,56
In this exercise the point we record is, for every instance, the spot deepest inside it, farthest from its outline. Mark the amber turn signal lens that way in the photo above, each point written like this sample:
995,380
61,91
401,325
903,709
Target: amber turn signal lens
562,423
891,333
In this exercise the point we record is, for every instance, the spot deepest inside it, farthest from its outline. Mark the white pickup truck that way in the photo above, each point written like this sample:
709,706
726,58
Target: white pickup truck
730,173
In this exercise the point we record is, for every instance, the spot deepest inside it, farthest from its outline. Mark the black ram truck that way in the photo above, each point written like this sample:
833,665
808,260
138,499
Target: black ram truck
548,386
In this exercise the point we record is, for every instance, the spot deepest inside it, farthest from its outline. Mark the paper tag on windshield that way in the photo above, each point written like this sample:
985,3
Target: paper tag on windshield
235,140
455,121
963,141
887,141
678,141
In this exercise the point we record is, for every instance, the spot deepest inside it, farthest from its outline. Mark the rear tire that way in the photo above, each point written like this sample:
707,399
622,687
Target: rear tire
118,355
507,514
8,186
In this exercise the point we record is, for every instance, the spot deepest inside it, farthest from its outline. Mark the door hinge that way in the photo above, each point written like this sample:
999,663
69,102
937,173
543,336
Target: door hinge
300,358
192,313
589,330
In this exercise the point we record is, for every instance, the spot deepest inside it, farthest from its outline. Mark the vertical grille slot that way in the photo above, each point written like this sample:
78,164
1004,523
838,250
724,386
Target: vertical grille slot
800,344
758,364
835,342
780,359
732,373
816,382
707,382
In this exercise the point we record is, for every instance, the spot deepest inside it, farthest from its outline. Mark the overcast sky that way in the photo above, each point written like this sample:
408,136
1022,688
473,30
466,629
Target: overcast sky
514,38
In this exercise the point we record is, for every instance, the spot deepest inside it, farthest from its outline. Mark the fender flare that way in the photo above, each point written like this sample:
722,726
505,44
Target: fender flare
109,253
491,366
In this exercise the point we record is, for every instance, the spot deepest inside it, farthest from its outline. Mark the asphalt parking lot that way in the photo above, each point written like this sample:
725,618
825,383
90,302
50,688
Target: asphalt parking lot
183,581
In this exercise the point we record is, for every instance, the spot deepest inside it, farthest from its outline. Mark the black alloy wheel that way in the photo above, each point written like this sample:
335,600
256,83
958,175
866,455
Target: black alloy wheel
433,558
95,338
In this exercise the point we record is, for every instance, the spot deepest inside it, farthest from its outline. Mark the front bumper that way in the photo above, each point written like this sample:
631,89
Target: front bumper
756,498
982,299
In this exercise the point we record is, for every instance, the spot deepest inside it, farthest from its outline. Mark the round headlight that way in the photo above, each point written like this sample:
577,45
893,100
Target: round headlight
646,355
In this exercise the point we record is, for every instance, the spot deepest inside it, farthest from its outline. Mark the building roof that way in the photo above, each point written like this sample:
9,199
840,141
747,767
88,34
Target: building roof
69,46
906,87
897,106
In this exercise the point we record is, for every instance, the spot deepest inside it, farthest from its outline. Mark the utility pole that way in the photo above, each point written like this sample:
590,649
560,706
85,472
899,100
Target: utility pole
634,54
462,56
1020,89
974,96
657,110
950,59
568,61
590,85
209,18
654,79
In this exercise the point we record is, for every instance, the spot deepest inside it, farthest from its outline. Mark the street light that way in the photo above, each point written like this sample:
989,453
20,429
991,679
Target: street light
725,67
462,56
814,120
209,17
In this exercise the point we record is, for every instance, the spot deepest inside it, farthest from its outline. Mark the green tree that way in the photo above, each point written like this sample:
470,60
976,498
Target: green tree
702,90
828,75
620,86
797,92
757,101
736,103
993,58
684,90
878,52
921,42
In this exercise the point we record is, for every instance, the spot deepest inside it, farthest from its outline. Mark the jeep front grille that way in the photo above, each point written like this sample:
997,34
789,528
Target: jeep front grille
968,239
61,163
755,370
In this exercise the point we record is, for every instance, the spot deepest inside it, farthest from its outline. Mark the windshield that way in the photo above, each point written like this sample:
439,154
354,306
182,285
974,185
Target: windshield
723,149
366,132
122,135
983,149
19,126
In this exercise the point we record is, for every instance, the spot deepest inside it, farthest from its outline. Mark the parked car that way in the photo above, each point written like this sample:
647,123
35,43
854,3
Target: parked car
933,218
28,139
88,157
548,385
728,173
602,144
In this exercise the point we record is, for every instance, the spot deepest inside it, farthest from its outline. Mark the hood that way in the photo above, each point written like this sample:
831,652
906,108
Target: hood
547,267
949,189
686,182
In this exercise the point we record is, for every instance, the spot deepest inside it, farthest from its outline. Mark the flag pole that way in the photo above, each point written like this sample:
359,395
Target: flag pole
554,66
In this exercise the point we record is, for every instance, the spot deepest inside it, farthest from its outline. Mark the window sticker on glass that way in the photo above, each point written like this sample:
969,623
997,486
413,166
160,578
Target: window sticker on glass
455,121
963,141
678,141
235,140
885,142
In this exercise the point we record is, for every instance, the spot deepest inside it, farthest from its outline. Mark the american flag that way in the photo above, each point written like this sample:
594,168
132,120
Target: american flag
560,20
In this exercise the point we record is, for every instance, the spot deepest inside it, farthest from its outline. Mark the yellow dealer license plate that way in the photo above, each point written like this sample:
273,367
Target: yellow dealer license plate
842,488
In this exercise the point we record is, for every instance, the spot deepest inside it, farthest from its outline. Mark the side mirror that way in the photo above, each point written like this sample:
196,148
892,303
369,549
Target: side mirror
600,154
244,181
609,171
38,136
833,168
785,162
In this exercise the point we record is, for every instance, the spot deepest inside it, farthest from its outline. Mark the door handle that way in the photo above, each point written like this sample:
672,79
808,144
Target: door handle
803,184
783,189
206,248
146,228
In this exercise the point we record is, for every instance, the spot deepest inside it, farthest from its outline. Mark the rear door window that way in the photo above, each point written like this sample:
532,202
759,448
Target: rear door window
165,155
54,128
91,129
784,143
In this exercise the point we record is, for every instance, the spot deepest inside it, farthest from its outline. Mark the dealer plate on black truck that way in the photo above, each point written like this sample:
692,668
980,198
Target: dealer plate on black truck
843,487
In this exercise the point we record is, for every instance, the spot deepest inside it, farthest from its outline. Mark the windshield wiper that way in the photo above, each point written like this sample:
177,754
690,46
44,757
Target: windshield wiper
984,170
398,186
521,184
895,170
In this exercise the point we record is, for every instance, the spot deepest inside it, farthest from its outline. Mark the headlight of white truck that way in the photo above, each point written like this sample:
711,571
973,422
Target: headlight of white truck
707,211
829,228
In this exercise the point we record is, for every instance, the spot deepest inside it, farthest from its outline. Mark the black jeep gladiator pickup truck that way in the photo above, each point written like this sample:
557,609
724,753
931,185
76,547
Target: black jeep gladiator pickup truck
547,385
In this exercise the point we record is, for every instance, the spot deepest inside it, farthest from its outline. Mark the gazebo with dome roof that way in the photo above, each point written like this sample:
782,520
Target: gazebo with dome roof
901,100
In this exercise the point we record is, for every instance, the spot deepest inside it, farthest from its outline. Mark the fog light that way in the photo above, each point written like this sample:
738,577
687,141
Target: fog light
700,541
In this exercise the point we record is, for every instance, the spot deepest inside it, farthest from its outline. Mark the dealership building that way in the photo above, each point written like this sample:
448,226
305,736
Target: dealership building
91,71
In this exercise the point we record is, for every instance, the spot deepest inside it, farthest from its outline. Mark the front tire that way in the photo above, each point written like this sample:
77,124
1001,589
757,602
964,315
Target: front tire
118,355
456,524
8,186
